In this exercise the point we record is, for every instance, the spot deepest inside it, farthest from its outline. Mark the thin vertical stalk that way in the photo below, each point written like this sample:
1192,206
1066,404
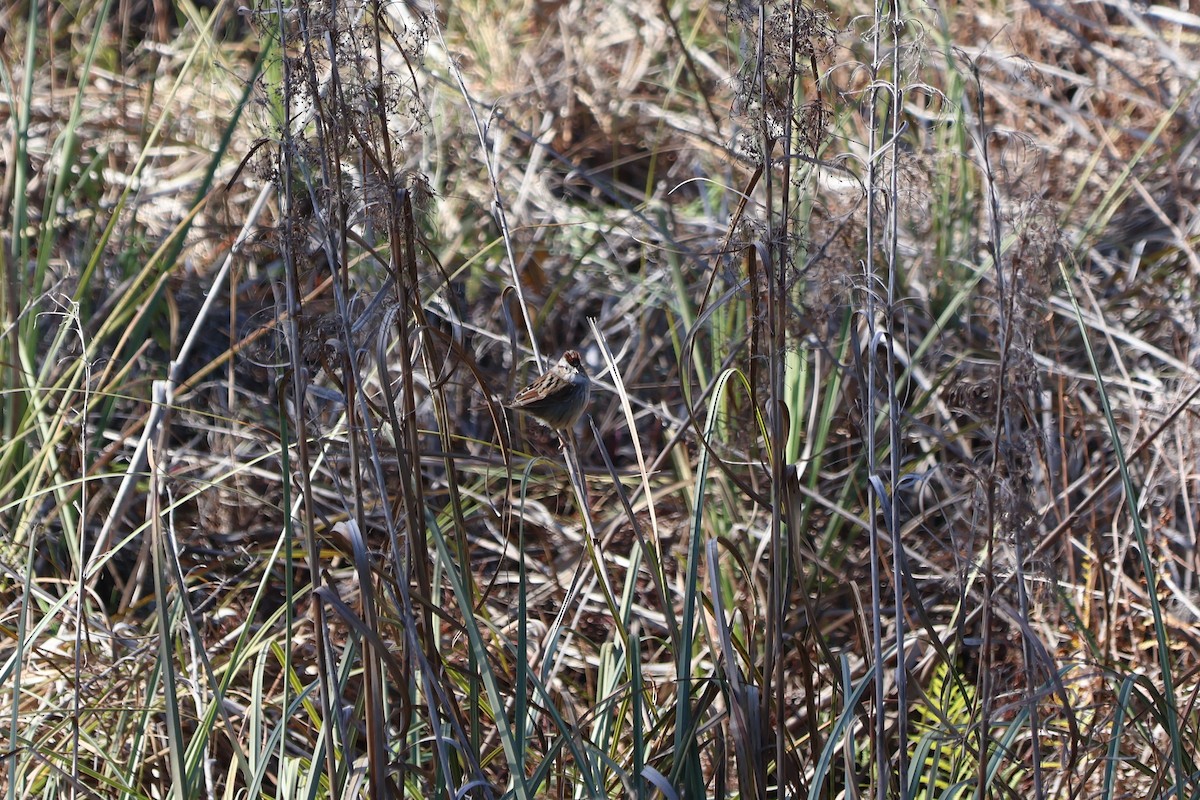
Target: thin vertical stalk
867,402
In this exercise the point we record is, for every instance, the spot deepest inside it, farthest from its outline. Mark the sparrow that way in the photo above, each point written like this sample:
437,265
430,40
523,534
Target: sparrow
559,397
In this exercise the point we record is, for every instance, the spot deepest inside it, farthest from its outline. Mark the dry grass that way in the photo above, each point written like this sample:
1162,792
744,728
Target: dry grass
267,530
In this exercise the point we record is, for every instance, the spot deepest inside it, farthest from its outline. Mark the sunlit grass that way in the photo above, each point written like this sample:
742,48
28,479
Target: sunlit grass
890,329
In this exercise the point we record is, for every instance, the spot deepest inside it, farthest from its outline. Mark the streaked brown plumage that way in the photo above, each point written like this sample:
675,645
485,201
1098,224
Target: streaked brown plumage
560,396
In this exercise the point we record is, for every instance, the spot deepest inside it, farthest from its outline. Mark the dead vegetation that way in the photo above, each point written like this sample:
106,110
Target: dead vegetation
881,313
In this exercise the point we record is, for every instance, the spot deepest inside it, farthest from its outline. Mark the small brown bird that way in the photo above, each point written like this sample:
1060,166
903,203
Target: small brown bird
558,398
